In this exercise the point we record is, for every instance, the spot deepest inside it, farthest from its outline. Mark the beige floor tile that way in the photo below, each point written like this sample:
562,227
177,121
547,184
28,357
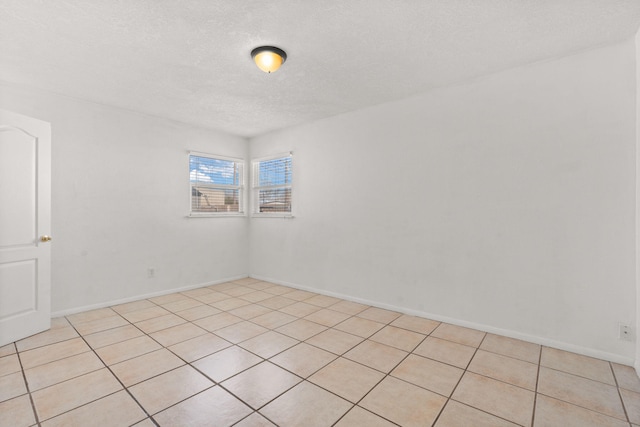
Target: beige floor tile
150,326
430,374
349,307
358,326
197,348
303,359
306,405
245,281
358,417
11,386
511,347
163,299
17,412
260,285
103,324
238,291
255,420
337,342
415,324
217,321
226,363
455,414
196,292
495,397
274,319
581,391
8,349
300,309
277,289
133,306
347,379
301,329
256,296
327,317
113,336
403,403
62,370
299,295
59,322
176,334
62,397
250,311
223,286
117,409
375,355
198,312
145,423
322,300
277,302
398,338
260,384
626,377
90,315
52,352
212,297
269,344
446,351
124,350
51,336
552,413
576,364
631,401
466,336
167,389
145,314
503,368
9,364
148,365
181,305
241,332
379,315
229,304
212,407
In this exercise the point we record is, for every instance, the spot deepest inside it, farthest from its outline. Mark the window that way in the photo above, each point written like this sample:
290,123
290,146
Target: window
216,185
272,185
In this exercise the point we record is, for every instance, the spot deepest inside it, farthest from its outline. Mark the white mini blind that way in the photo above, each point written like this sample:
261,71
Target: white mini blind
216,184
272,179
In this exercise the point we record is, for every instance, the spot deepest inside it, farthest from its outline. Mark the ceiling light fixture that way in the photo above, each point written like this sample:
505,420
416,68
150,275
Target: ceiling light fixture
268,58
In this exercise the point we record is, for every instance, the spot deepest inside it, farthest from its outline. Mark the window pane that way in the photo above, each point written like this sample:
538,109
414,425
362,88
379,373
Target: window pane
211,199
275,172
214,171
277,200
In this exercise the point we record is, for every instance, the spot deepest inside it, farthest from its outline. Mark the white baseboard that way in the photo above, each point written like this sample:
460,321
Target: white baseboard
598,354
139,297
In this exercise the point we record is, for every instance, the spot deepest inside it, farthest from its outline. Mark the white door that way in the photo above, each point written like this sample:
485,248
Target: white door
25,226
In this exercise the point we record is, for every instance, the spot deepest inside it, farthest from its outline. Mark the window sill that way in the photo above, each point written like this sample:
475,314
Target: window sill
217,215
272,215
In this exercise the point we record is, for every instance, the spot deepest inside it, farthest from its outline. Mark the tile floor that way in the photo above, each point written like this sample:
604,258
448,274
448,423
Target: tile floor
251,353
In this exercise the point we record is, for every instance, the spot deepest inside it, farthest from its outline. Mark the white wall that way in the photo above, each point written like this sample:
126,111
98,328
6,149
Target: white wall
506,203
120,196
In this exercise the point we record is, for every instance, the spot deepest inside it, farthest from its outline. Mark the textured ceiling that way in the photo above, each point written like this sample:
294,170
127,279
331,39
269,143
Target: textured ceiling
190,60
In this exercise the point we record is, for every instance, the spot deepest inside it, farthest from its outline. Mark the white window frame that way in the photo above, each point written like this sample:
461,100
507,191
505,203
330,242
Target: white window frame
255,202
241,187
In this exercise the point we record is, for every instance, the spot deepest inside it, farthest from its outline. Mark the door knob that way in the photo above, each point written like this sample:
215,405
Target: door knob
45,238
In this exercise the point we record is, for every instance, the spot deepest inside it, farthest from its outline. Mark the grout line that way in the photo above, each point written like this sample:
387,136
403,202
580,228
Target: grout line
26,384
615,379
535,394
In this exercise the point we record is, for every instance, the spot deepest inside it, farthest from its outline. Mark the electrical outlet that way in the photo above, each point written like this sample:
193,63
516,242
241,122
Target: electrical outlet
625,332
151,272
